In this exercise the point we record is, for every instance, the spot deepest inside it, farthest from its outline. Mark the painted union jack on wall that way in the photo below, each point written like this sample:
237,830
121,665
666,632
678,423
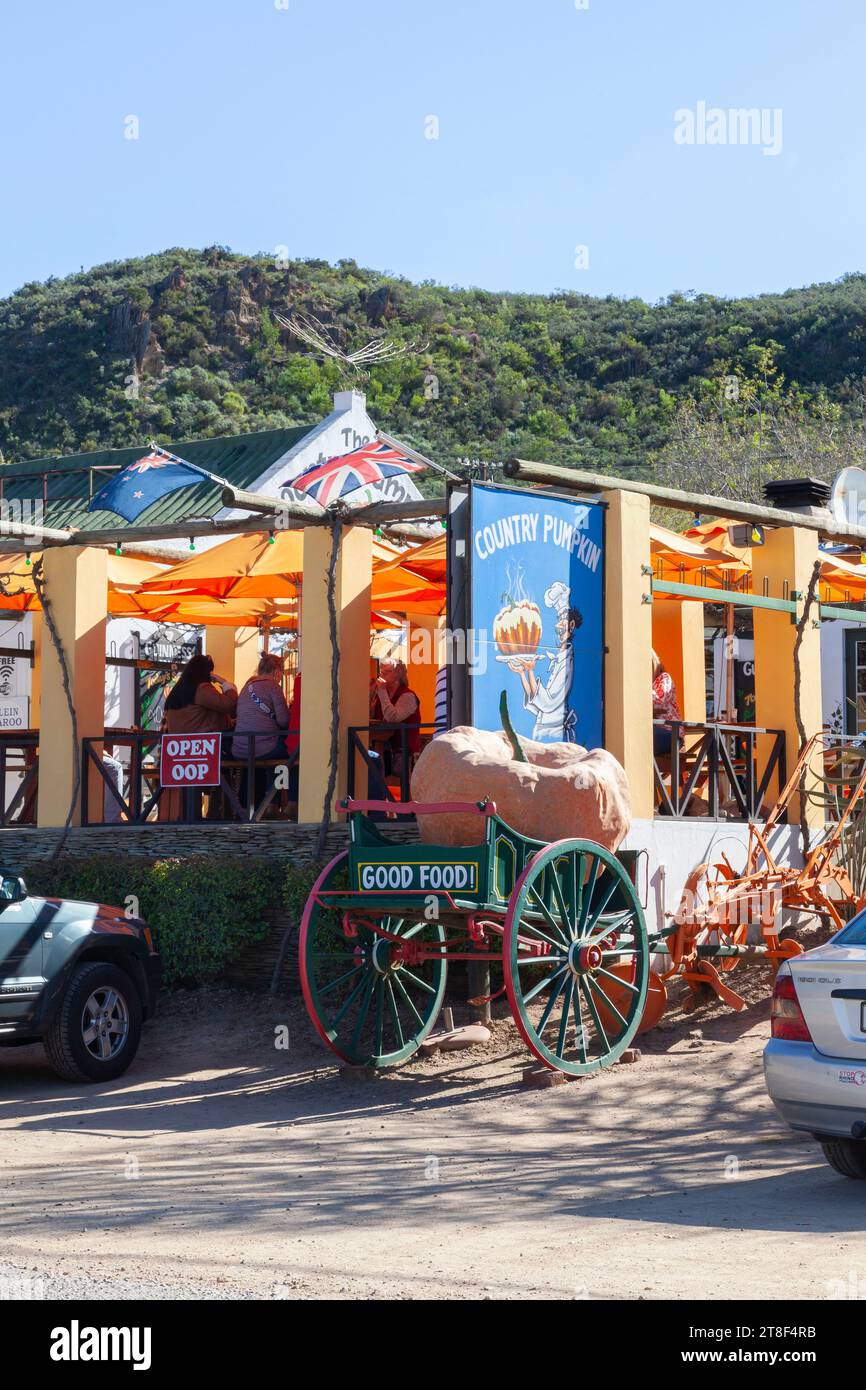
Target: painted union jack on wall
370,465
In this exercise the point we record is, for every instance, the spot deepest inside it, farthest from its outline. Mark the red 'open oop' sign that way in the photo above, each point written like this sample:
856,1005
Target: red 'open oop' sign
190,760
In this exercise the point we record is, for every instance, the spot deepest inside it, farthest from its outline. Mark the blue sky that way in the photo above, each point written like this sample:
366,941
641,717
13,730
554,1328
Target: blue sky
262,127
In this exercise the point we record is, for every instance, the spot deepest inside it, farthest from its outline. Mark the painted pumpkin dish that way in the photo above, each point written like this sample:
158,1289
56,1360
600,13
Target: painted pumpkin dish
517,629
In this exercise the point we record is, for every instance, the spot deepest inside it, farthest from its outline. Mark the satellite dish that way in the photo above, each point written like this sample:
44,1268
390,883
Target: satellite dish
848,498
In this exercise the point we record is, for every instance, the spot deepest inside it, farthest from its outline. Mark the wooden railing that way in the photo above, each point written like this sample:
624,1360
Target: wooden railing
384,771
19,777
136,801
717,770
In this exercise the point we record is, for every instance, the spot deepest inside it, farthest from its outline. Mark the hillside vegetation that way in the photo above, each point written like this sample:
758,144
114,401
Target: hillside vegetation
184,344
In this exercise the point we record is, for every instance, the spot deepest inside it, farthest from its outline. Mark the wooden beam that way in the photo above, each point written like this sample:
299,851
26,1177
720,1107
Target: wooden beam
387,515
375,514
698,503
384,513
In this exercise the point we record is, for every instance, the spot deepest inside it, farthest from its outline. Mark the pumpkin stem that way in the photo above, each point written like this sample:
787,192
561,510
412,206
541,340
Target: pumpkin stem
519,755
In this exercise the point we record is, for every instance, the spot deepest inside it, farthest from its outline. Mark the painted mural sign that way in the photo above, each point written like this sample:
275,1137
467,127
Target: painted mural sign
537,614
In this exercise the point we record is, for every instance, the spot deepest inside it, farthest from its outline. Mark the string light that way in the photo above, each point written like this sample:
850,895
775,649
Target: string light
117,550
191,543
27,559
271,538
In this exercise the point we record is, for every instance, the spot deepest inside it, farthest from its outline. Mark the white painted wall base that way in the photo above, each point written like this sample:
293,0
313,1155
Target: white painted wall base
674,847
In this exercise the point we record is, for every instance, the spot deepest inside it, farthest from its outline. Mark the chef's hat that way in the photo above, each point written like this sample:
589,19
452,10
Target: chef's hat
557,596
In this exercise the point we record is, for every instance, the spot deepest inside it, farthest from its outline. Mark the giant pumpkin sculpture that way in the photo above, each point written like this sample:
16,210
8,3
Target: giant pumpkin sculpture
557,791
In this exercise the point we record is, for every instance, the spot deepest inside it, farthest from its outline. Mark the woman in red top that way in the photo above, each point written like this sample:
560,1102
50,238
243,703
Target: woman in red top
664,706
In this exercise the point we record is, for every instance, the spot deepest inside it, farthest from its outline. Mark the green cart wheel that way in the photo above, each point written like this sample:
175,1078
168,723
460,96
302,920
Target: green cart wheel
573,916
370,997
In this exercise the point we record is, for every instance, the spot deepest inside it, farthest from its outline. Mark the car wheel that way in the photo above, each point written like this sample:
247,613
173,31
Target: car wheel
96,1030
847,1156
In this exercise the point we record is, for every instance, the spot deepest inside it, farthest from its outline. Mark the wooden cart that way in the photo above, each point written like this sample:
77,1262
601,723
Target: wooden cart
564,920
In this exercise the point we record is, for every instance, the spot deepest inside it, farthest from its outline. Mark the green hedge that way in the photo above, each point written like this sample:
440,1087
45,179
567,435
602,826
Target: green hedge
203,910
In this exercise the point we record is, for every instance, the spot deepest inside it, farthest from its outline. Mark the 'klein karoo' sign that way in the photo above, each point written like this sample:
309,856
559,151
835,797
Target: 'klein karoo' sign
190,760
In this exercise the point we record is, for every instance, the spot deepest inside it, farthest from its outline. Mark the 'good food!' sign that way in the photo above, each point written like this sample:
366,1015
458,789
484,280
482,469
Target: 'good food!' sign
190,760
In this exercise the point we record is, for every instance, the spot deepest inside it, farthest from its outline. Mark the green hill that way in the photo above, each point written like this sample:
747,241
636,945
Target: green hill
184,344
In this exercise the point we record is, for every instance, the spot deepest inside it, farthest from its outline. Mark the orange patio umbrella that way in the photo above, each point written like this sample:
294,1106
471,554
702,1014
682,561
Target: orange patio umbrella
260,564
126,574
427,560
256,565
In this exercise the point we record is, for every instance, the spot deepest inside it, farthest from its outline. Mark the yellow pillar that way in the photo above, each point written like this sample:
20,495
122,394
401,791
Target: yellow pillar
235,651
36,670
628,637
76,584
353,578
426,640
788,555
678,638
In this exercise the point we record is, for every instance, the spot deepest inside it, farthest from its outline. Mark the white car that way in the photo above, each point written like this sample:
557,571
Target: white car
815,1061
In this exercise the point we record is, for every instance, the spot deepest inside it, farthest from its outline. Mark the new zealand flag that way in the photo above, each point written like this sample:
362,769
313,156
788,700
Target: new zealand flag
131,491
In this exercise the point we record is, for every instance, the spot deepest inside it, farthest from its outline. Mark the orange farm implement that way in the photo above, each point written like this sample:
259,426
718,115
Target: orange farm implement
728,916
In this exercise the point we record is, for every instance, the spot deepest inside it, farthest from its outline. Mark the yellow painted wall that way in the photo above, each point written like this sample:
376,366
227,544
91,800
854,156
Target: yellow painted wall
353,581
788,555
36,673
425,658
235,651
76,585
628,637
678,638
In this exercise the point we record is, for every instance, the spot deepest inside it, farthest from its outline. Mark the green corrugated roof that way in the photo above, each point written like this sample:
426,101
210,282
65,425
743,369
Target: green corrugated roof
239,458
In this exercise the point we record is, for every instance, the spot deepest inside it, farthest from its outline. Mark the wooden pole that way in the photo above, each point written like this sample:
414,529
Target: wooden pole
383,514
575,480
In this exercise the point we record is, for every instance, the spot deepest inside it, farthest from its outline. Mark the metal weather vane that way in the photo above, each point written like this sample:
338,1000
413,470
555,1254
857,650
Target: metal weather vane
314,333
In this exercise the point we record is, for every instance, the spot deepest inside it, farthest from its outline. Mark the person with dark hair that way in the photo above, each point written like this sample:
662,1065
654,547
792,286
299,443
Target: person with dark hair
194,705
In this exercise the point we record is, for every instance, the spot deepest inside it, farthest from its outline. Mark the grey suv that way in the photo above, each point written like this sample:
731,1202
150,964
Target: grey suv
79,977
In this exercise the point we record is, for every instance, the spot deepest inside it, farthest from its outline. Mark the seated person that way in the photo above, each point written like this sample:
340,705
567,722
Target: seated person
392,702
262,719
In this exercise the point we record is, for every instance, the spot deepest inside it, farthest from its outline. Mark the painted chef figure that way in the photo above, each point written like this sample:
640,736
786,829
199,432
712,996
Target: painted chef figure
554,721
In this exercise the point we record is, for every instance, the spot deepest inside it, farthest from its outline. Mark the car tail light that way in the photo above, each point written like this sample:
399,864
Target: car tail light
786,1016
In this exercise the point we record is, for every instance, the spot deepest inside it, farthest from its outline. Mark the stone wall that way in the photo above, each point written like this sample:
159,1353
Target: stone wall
271,839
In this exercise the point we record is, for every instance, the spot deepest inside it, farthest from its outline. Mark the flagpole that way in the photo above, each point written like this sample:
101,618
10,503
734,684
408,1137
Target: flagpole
175,458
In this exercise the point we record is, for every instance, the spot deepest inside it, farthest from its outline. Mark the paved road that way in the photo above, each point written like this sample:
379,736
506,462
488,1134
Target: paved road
223,1167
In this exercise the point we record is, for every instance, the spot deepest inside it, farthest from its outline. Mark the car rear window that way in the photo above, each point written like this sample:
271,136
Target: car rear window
855,932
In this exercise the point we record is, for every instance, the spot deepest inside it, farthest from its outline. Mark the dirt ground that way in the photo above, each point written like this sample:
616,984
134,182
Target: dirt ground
223,1166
